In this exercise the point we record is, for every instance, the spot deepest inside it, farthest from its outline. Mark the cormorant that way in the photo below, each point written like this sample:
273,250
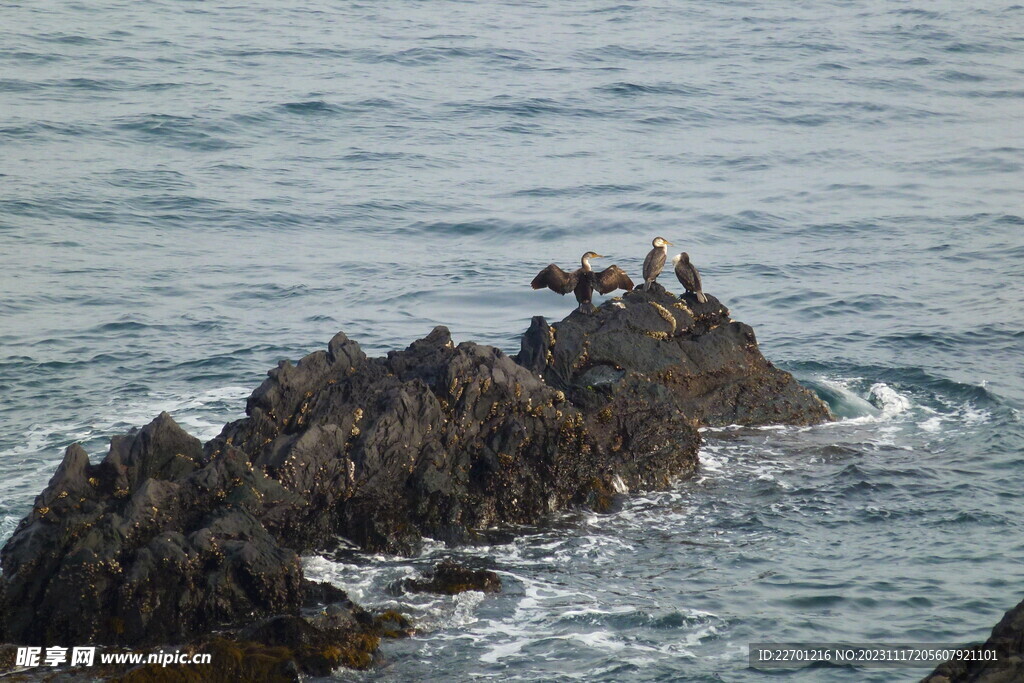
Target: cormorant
688,276
583,281
655,261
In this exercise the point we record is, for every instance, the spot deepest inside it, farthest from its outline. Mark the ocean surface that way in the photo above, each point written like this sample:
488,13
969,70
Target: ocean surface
193,191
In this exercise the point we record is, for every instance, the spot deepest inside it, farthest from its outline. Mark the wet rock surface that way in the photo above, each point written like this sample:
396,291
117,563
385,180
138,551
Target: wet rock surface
166,540
451,578
1007,640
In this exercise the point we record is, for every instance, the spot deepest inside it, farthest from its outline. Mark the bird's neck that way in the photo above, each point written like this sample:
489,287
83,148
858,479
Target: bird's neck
585,262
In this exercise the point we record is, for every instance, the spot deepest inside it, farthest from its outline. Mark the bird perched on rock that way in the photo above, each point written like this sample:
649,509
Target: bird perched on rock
583,281
655,261
689,276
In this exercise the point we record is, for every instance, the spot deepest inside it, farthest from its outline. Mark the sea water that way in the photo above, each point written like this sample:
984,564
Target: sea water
193,191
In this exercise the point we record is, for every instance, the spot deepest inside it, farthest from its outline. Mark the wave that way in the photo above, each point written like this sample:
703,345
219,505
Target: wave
492,229
842,401
627,89
421,56
629,53
310,107
577,191
185,132
533,107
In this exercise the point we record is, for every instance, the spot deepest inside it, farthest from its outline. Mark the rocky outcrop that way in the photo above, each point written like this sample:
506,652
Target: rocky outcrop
451,578
166,540
146,546
1007,640
442,441
672,352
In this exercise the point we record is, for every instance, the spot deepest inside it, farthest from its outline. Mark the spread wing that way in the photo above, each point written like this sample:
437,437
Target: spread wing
612,278
688,276
653,264
556,279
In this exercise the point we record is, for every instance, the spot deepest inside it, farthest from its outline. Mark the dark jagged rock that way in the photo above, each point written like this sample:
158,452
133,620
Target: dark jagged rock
451,578
165,541
321,593
117,553
1007,640
392,624
440,440
283,648
321,647
672,352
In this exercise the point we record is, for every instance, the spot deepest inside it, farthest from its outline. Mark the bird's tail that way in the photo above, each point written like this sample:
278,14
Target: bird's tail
702,297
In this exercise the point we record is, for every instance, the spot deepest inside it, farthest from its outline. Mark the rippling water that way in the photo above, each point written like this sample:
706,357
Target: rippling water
190,192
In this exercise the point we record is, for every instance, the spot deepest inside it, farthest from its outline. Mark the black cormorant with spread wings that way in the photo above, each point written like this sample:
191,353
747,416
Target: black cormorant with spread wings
655,261
688,276
583,281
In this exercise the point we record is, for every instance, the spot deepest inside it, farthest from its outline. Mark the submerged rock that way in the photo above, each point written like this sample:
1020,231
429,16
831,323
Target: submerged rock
451,578
1007,640
166,540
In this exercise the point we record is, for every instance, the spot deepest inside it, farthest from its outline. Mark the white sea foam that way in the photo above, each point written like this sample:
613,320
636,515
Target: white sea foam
599,640
202,415
888,400
465,607
974,416
883,406
8,523
500,651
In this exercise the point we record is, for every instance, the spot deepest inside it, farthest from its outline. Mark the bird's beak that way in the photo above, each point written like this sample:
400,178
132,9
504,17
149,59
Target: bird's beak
598,256
671,243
